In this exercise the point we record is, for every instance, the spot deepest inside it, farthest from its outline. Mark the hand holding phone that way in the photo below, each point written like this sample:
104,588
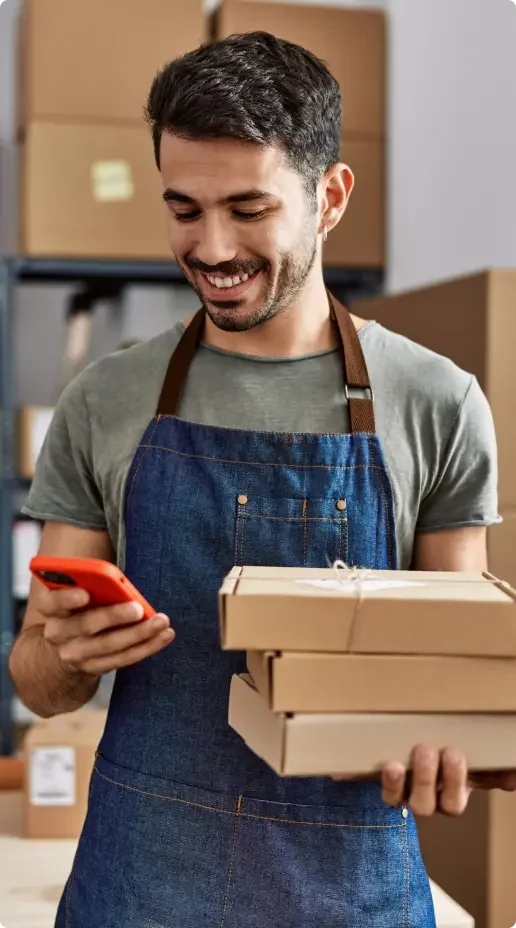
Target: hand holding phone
94,615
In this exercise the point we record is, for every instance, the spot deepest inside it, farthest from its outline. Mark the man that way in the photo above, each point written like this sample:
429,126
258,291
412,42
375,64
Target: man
260,446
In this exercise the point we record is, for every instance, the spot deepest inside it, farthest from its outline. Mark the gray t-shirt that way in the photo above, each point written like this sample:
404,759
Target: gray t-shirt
433,420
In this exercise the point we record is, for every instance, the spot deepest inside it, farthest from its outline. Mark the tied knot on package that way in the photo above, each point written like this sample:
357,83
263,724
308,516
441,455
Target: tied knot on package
358,576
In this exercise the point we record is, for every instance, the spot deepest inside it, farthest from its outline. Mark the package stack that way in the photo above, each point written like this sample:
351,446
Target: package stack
349,671
89,185
353,44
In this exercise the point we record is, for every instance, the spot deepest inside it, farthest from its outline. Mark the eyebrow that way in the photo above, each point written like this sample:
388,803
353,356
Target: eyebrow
245,196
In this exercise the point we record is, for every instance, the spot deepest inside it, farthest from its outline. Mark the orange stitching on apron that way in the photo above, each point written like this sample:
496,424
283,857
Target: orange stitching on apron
206,457
228,887
251,515
304,530
406,879
259,818
385,503
142,457
242,533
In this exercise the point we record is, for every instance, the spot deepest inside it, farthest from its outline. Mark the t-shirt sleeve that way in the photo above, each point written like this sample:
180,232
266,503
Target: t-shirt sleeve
466,489
64,488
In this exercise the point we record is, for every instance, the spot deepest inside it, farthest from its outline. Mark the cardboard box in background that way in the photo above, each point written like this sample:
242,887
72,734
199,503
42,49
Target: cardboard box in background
471,320
297,682
91,191
59,755
352,43
360,744
95,61
501,546
33,423
472,857
385,616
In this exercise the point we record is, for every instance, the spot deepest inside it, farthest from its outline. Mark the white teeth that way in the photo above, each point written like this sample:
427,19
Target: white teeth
227,282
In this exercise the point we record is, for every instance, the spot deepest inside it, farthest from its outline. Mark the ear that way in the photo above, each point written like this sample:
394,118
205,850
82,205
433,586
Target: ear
335,190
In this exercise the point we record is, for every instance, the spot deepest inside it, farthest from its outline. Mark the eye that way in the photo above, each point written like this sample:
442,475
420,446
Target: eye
187,217
240,214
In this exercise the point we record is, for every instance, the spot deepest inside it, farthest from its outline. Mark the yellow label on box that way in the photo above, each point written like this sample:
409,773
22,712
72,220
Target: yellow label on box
112,181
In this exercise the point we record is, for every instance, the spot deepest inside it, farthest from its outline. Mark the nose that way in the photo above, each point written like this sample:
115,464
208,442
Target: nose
216,241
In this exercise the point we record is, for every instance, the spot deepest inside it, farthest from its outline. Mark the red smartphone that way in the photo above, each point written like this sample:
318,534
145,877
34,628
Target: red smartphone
106,584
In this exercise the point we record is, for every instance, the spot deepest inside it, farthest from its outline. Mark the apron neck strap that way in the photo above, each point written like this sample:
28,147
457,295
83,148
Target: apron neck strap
356,378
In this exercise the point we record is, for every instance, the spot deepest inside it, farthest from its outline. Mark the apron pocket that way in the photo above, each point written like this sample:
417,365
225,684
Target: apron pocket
153,854
290,532
319,872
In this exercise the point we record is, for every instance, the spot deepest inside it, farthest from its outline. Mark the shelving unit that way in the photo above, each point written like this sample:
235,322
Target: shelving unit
97,277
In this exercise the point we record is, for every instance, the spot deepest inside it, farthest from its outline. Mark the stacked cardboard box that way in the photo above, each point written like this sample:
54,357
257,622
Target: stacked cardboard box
89,185
472,321
352,42
347,673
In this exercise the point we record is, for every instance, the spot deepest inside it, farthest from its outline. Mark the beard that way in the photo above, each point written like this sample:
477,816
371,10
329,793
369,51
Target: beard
293,269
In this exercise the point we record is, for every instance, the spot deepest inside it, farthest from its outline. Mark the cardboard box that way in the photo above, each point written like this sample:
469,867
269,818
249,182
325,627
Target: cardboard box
472,857
296,682
33,424
59,756
501,548
369,616
95,61
472,321
359,240
352,42
360,744
92,191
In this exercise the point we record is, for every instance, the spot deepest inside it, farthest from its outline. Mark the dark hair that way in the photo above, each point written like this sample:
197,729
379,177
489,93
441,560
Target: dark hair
257,88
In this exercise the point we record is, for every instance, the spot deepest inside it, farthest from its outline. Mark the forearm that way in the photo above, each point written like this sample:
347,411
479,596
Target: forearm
41,680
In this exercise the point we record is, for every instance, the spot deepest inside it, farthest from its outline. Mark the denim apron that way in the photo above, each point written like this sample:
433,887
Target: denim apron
186,828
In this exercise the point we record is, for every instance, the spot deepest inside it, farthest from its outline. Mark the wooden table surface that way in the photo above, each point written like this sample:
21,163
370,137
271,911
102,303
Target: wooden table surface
33,874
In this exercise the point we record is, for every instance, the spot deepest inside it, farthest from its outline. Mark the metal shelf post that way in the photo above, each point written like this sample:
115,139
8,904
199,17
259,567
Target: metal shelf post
7,478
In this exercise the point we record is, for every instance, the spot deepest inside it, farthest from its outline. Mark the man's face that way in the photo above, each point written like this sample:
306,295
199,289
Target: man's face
242,227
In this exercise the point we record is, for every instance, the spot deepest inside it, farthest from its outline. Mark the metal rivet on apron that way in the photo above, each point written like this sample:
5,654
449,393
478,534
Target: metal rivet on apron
404,812
341,505
242,499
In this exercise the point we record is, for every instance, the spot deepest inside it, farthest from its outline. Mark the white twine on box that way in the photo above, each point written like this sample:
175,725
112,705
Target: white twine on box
358,576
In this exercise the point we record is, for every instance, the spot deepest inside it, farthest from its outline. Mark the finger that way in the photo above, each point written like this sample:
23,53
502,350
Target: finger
60,603
93,622
99,666
393,783
79,650
425,771
455,790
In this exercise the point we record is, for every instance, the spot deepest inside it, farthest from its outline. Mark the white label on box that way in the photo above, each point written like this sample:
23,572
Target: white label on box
368,586
52,776
42,417
112,181
26,540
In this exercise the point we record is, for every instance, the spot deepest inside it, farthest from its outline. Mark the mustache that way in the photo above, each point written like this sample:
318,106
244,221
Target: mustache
228,268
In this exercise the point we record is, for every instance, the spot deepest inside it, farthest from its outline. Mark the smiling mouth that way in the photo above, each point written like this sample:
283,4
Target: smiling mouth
215,284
